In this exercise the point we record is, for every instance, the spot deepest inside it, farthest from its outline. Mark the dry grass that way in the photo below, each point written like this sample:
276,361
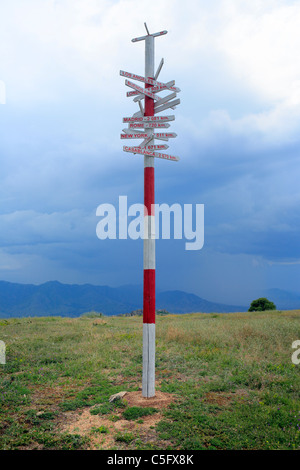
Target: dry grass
218,373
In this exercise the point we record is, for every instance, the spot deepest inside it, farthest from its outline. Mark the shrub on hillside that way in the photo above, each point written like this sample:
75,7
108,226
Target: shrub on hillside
92,314
261,304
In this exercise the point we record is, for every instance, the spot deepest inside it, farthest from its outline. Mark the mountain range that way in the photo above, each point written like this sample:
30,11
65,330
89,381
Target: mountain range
72,300
54,298
284,300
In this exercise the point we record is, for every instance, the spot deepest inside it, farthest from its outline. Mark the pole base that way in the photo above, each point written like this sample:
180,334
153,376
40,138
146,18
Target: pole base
148,382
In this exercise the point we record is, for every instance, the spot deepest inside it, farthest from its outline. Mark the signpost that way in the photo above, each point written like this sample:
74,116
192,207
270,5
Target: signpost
148,125
149,118
146,121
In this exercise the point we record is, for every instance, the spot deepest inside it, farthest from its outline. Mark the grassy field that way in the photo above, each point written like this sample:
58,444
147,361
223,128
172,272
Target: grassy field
229,380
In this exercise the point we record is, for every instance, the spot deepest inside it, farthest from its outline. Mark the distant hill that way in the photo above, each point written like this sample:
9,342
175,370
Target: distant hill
181,302
54,298
284,300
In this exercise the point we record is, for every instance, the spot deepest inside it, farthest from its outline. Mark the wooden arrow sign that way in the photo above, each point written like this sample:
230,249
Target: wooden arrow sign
165,100
150,154
155,89
167,157
168,105
142,38
149,118
148,125
157,147
130,131
139,150
134,136
148,80
165,135
144,91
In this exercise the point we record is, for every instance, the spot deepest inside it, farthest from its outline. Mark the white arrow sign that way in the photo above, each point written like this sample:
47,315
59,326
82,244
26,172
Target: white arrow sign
150,154
133,76
165,100
139,150
159,69
157,147
134,136
155,89
149,118
148,80
130,131
165,135
167,157
147,141
168,105
148,125
142,90
142,38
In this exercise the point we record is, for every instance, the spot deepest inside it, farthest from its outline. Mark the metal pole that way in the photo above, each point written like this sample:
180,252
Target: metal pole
148,381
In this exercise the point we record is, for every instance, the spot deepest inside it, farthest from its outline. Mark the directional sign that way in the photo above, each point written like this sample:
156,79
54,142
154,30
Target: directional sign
133,76
155,89
165,99
150,154
148,80
144,91
165,135
130,131
138,114
148,125
159,69
159,137
134,136
139,150
142,38
150,148
167,157
170,104
157,147
147,141
159,34
149,118
142,111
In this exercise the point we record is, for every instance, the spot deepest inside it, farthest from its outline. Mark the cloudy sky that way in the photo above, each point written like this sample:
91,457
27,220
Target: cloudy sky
237,64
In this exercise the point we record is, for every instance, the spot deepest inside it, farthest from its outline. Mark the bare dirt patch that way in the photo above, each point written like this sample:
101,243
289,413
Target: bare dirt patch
160,401
86,424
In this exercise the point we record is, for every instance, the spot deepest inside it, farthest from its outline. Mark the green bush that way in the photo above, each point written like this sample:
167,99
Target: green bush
102,409
92,314
126,437
261,304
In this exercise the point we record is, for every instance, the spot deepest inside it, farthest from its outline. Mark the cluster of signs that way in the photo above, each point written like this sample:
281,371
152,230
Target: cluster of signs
144,127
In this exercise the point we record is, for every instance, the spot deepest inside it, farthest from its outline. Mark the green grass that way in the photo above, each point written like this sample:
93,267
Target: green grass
126,437
136,412
232,377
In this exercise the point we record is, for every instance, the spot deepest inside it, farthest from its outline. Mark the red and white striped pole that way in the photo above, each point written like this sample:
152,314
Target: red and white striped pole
148,381
145,115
